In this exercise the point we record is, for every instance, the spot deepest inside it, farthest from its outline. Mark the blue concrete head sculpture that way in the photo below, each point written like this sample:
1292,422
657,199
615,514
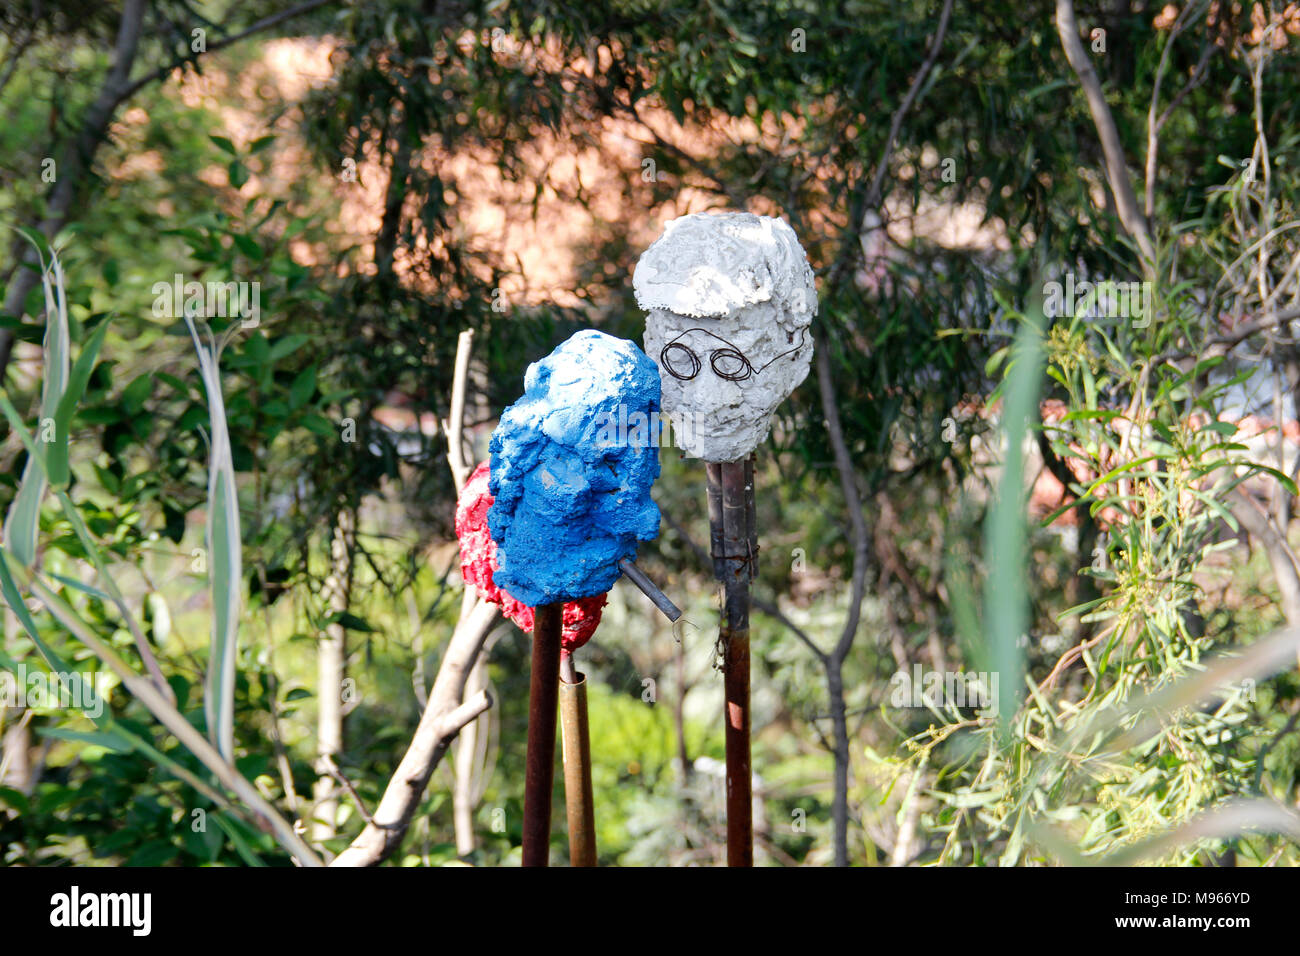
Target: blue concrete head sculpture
570,504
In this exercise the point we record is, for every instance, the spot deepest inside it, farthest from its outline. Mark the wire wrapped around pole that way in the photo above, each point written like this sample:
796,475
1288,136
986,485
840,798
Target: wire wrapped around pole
734,540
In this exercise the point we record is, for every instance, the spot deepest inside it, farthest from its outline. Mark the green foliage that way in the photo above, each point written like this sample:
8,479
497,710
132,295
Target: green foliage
916,323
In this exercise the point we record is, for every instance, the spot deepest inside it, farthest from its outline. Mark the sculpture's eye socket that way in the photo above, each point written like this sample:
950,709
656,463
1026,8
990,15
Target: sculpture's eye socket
679,361
730,364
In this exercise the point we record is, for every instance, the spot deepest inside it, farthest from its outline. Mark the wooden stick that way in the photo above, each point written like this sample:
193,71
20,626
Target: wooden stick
579,802
539,774
734,542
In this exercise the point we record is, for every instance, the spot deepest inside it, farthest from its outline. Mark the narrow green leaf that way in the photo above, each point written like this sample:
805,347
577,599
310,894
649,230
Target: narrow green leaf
303,387
237,838
282,348
23,521
107,739
1006,529
1116,472
83,588
238,174
248,246
226,560
56,458
24,512
12,597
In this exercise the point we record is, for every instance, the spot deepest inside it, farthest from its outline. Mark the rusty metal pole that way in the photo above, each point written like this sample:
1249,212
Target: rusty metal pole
579,803
539,774
734,542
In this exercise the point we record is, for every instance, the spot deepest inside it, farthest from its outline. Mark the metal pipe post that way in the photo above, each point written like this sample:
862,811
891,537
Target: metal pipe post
539,774
734,540
579,803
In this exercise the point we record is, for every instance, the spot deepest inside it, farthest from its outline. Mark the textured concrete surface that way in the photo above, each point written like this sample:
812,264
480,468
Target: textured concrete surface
730,299
478,565
568,505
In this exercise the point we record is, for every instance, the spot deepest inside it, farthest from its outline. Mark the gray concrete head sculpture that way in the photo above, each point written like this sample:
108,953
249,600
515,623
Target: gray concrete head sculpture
730,299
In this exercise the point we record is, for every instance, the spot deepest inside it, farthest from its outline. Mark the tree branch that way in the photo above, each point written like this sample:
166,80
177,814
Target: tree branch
1156,124
870,199
452,723
874,196
1131,217
454,427
17,47
221,43
1280,556
1222,344
771,609
440,723
852,501
77,156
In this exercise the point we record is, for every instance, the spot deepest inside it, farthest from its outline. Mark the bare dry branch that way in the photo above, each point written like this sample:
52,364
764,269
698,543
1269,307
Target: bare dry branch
439,725
454,427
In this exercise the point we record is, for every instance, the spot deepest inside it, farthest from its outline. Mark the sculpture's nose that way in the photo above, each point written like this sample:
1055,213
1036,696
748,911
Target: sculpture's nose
712,392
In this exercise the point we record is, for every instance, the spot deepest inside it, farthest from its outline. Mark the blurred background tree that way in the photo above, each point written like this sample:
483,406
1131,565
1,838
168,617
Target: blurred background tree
394,173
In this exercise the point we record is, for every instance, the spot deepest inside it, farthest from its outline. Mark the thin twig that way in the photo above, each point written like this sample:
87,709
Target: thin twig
869,200
1222,344
330,767
1156,124
1072,655
874,193
1289,726
17,47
